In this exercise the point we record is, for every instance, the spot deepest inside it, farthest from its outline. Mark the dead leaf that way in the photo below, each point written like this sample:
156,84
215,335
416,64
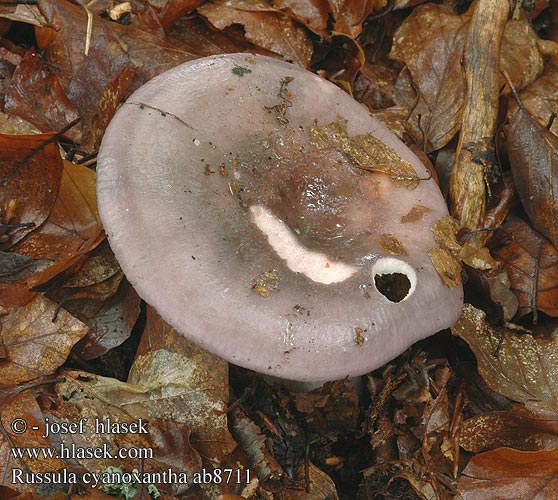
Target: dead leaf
72,230
36,94
415,214
22,409
506,429
430,43
314,14
350,15
30,173
110,321
263,26
444,257
519,367
320,486
392,245
132,52
533,153
541,98
38,338
195,383
506,473
367,152
110,424
532,266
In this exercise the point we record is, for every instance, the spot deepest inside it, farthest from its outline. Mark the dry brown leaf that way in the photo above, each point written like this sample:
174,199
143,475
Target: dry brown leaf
415,214
533,153
16,410
38,338
195,383
532,266
23,13
107,407
132,51
444,257
30,176
430,43
368,153
392,245
33,82
350,15
541,98
110,322
505,428
313,14
506,473
72,229
262,26
519,367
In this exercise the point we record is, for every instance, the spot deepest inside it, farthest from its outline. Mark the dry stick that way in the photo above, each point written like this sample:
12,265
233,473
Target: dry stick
468,188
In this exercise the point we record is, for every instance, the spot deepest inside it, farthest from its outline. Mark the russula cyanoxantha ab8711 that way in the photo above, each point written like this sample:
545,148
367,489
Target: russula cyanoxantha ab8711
268,217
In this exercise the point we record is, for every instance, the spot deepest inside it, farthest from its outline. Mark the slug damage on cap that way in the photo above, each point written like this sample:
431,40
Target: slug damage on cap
270,218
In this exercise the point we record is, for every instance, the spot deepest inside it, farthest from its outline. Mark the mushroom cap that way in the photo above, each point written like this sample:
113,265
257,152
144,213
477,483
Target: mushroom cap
258,239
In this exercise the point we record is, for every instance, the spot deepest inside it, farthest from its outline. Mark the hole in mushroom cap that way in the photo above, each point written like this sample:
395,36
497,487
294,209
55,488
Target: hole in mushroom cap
394,279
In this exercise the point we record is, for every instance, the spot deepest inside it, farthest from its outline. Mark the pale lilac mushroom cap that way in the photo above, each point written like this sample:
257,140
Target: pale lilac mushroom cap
256,244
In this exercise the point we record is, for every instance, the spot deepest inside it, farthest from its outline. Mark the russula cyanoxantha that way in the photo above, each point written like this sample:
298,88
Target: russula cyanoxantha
270,218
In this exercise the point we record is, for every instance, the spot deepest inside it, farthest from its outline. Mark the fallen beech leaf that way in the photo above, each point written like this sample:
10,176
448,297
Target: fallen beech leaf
519,367
506,473
30,174
38,338
14,266
263,26
23,406
505,428
131,52
73,227
444,256
115,404
349,15
36,83
197,37
314,14
541,98
23,13
195,383
430,43
67,52
110,321
533,153
367,152
175,9
532,266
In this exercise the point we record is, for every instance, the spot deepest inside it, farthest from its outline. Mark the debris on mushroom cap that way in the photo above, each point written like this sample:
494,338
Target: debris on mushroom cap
319,209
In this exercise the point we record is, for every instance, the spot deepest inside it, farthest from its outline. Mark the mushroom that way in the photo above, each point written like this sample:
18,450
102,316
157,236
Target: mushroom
271,219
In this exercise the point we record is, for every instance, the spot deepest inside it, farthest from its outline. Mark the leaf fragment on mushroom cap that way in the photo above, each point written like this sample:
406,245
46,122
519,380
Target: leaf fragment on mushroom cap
447,265
265,283
367,152
415,214
444,257
392,245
